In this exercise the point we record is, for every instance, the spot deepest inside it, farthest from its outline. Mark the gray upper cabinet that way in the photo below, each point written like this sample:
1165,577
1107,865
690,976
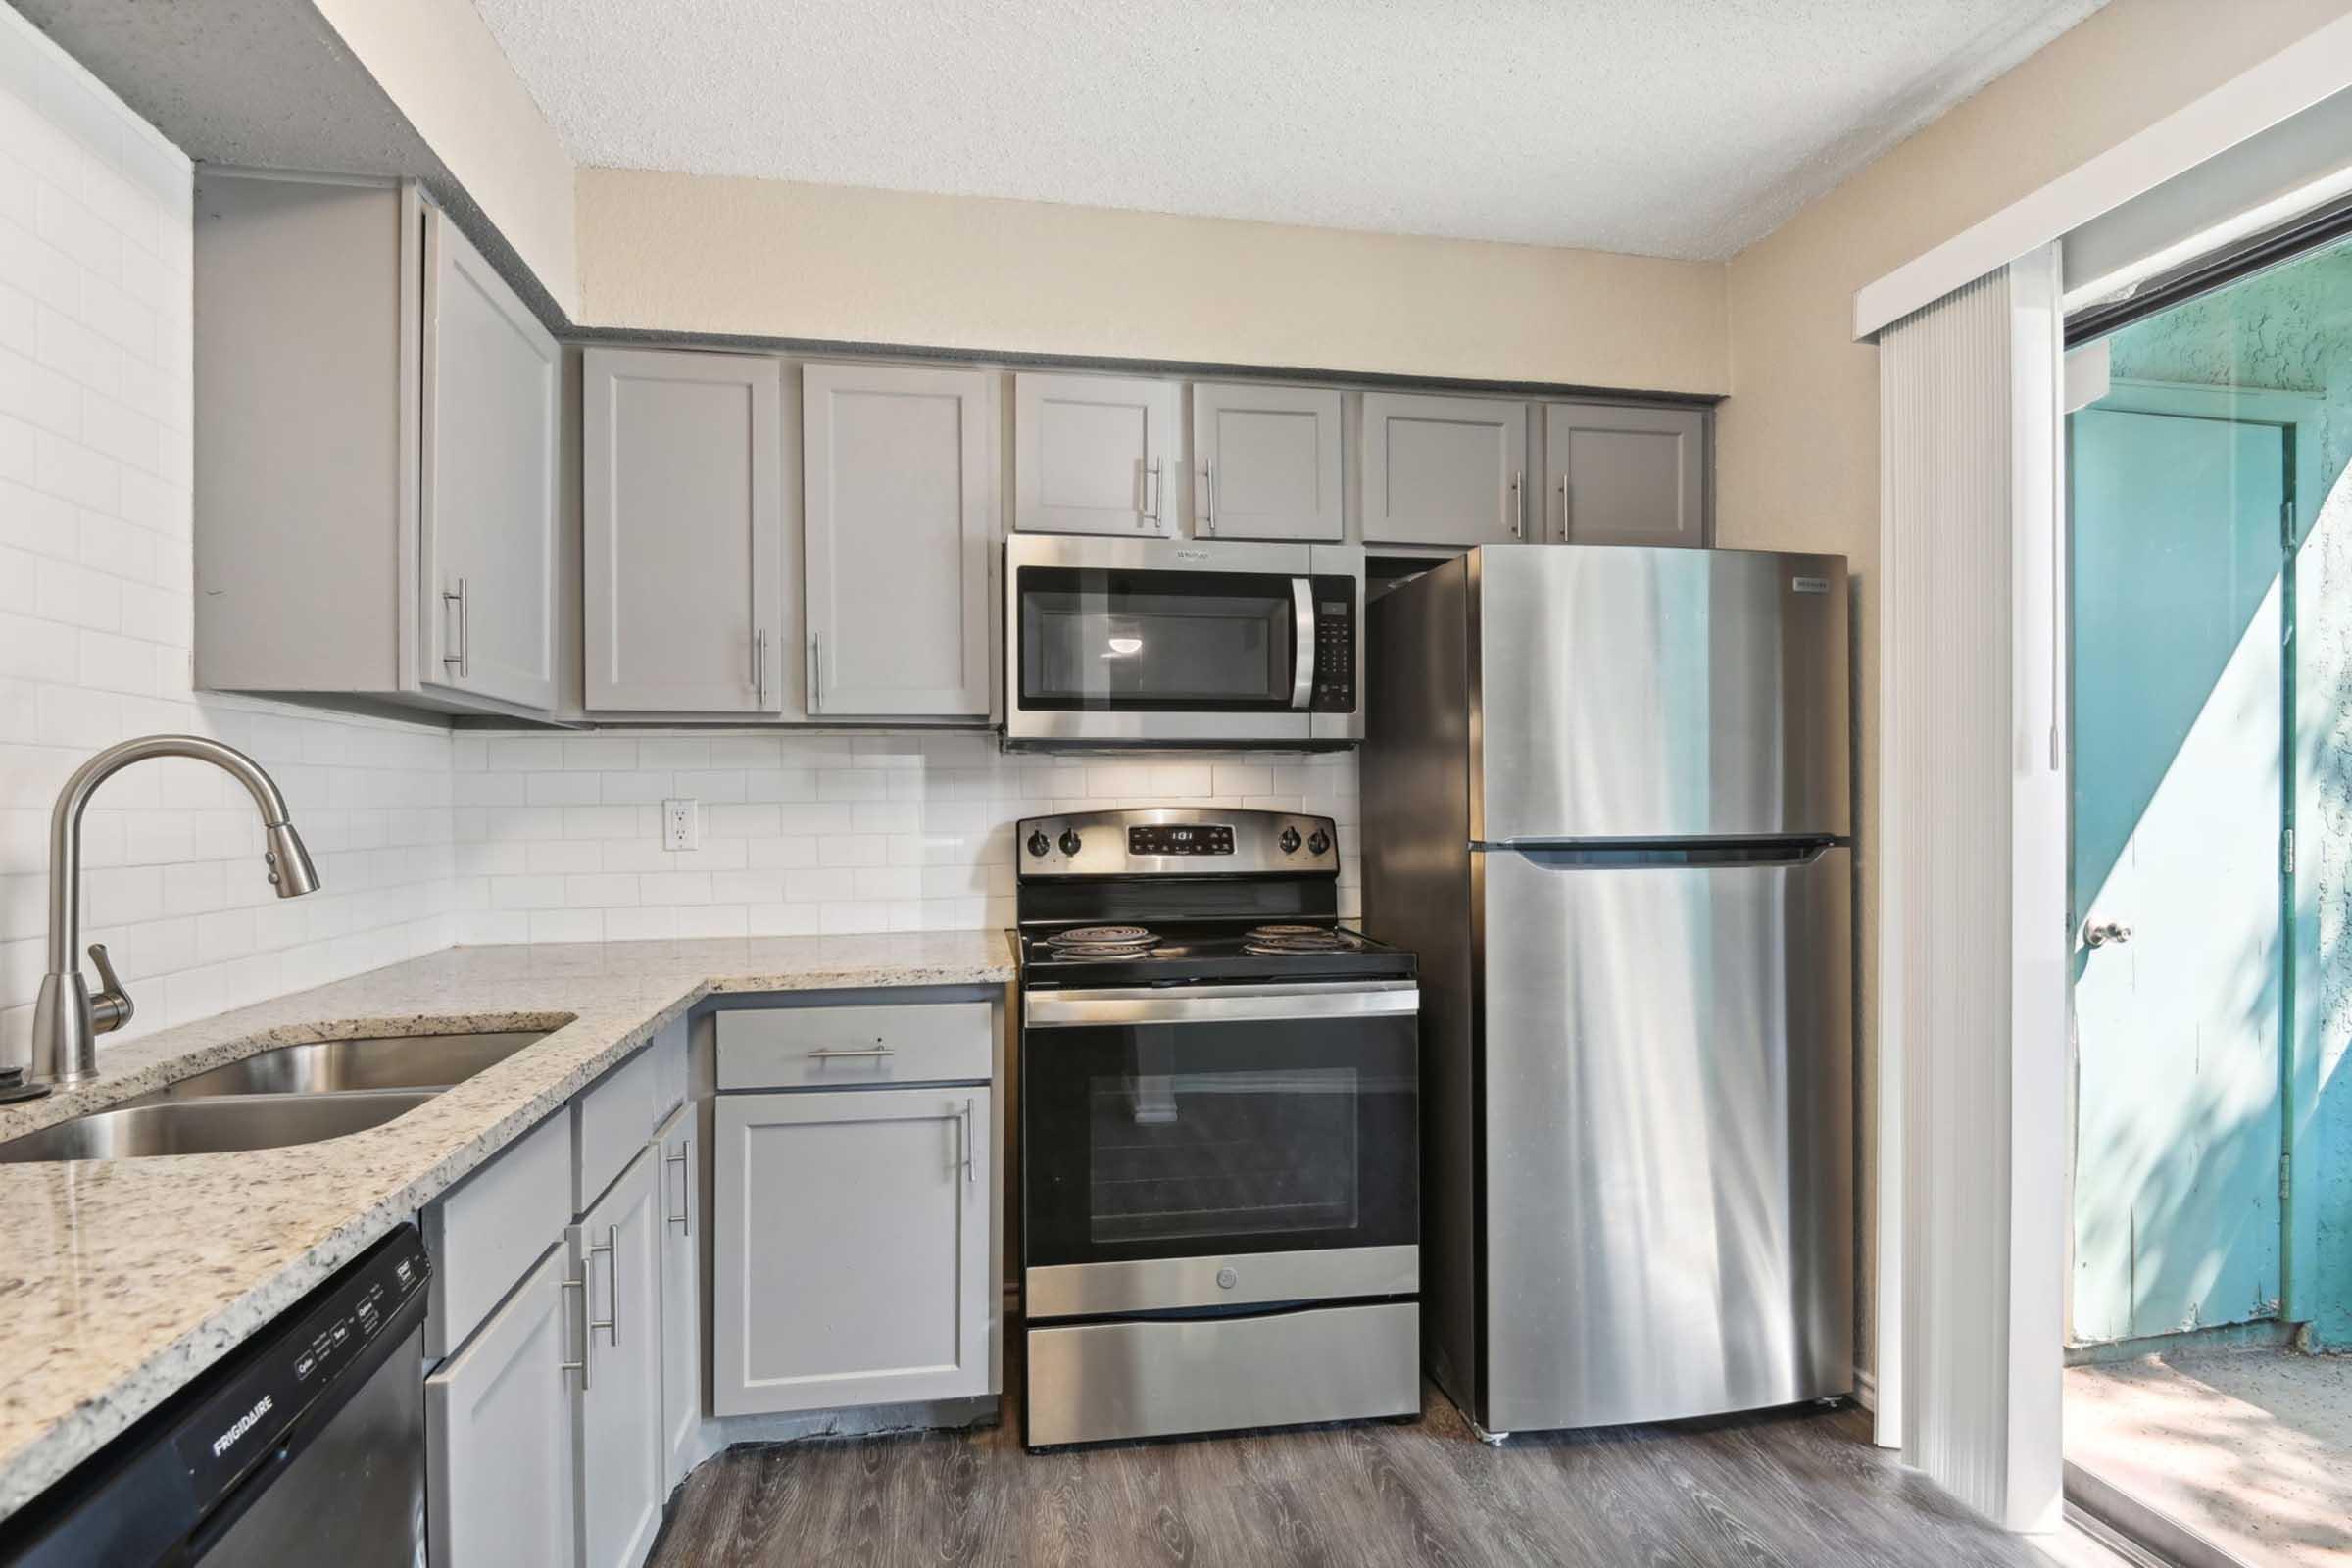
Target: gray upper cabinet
1444,471
857,1223
1617,474
503,1485
489,501
901,469
682,531
375,453
624,1446
1266,463
1095,454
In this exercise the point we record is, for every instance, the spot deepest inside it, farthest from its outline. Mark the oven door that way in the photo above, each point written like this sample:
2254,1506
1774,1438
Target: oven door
1134,641
1218,1147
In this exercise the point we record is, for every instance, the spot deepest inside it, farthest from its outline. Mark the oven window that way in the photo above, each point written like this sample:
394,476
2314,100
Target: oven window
1222,1154
1201,1138
1140,640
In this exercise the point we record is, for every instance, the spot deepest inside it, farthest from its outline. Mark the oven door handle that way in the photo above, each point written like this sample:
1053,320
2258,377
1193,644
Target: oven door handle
1071,1009
1302,662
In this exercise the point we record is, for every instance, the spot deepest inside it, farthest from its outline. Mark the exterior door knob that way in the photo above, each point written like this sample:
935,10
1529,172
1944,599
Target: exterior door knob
2100,934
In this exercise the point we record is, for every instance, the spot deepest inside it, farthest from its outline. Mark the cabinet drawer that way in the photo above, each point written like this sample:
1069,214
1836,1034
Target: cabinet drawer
484,1232
611,1121
850,1048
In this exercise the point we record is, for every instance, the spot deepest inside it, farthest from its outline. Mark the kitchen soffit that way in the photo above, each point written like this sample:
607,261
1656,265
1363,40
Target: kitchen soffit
1668,128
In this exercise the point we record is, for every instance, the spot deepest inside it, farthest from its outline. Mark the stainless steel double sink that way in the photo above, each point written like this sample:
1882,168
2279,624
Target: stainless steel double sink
296,1094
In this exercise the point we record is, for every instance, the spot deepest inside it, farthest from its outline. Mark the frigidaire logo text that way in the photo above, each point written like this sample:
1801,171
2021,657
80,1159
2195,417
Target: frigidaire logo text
227,1439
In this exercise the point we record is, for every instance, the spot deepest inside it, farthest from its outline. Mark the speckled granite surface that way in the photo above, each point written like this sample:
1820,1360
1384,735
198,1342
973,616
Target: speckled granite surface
121,1278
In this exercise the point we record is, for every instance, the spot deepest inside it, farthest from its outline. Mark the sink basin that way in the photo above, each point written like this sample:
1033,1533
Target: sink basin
219,1126
339,1066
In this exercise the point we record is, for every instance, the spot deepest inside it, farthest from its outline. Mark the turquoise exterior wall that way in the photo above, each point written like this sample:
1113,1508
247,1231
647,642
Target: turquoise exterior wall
2291,330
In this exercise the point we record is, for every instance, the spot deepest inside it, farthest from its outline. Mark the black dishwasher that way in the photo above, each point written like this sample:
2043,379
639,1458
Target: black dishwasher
304,1445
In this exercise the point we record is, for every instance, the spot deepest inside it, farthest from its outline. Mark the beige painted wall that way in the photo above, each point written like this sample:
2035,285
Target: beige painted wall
437,61
774,259
1797,443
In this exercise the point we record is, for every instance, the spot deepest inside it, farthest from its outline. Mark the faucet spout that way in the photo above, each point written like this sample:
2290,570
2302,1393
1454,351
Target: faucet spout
67,1019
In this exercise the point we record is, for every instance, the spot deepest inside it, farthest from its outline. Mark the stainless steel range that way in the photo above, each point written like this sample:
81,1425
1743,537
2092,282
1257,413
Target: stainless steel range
1220,1203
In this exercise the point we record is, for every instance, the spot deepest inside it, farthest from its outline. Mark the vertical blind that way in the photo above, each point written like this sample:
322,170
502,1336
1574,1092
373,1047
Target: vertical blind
1973,994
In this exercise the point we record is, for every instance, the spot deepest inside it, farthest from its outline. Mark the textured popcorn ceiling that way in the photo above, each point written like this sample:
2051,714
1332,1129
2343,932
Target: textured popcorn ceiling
1672,127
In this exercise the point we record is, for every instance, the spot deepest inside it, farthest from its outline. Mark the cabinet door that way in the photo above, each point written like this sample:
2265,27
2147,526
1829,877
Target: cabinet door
851,1256
625,1454
1094,454
487,560
502,1488
1266,463
681,1295
682,523
1441,470
901,501
1617,476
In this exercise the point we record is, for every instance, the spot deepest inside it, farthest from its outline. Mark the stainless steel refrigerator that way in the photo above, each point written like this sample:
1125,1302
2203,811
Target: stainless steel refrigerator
1606,801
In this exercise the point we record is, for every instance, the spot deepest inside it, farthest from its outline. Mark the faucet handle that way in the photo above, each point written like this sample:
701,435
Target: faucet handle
110,1008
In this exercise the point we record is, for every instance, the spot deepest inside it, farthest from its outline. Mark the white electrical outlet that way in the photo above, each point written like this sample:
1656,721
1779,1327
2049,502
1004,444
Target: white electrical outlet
682,824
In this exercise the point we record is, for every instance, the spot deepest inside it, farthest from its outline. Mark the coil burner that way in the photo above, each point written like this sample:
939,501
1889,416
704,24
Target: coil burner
1104,942
1268,941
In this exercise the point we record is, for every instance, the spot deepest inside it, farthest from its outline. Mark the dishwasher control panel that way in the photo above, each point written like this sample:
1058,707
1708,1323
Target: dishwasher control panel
299,1358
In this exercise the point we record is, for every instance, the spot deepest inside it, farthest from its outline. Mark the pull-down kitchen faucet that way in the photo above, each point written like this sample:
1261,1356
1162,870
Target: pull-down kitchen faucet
66,1020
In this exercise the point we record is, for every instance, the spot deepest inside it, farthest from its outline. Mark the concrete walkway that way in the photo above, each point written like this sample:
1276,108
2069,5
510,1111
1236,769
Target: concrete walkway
2249,1450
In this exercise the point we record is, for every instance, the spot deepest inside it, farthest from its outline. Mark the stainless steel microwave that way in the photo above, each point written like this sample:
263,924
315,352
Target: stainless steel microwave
1181,642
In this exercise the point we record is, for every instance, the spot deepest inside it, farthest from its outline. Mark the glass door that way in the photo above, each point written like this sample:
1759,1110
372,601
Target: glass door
1202,641
1151,1140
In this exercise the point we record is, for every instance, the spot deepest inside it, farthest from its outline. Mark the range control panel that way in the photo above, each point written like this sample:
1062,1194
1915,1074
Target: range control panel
1170,838
1178,841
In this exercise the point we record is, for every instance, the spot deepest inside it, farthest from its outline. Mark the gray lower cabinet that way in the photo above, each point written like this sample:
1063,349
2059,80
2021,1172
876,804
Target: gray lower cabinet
623,1440
375,453
1444,471
1266,463
1618,474
682,531
681,1307
1095,454
569,1410
900,467
503,1487
850,1254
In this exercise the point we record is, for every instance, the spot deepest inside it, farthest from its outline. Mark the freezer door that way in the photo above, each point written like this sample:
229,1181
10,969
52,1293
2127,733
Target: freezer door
1668,1156
1625,691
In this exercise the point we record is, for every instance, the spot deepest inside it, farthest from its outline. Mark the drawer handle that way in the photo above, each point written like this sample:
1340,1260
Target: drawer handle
683,1219
611,1247
963,1118
872,1052
581,1365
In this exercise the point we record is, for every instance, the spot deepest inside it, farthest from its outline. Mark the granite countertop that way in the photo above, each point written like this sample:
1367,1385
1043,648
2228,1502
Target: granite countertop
120,1280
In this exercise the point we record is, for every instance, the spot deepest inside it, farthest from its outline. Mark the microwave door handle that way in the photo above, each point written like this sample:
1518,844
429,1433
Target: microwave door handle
1302,665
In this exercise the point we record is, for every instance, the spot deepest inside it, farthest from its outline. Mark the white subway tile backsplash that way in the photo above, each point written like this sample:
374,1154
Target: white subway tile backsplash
96,589
871,832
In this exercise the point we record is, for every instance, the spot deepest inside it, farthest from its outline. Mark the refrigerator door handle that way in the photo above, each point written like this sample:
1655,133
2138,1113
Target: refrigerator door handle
1672,854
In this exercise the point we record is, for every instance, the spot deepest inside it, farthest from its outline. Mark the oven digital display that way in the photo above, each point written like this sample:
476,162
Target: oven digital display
1192,838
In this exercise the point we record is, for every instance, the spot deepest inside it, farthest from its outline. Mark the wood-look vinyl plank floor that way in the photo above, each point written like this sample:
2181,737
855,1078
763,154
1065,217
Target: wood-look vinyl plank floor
1799,1488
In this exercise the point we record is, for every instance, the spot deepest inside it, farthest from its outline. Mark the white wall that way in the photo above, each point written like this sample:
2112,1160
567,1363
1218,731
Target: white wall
771,258
95,585
438,62
560,836
1797,442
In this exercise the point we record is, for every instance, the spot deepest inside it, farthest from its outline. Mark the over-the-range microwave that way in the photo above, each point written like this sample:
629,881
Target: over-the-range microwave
1182,642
